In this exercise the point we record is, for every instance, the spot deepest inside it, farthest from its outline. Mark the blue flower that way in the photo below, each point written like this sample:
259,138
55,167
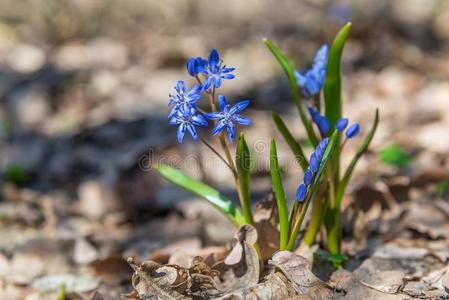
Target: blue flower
187,118
321,121
214,70
341,124
309,174
184,97
195,64
228,116
353,131
312,79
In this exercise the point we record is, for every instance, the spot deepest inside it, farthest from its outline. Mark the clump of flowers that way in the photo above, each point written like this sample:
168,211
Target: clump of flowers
317,91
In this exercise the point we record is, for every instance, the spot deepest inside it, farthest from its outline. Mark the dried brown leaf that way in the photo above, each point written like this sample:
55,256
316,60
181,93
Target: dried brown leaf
298,270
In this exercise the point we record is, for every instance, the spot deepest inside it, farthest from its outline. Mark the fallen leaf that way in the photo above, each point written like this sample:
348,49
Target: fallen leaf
298,270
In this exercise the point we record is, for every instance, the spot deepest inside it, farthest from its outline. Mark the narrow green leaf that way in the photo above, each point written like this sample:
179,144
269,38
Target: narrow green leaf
200,189
350,169
313,189
61,294
332,91
289,71
295,147
243,162
332,83
281,201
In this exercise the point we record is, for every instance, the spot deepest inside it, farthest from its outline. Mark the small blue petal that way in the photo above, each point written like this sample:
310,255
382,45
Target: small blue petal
314,163
230,132
341,124
227,70
180,87
241,120
314,114
219,127
238,107
199,120
181,132
208,83
228,76
222,102
323,125
308,177
301,192
214,57
191,129
353,131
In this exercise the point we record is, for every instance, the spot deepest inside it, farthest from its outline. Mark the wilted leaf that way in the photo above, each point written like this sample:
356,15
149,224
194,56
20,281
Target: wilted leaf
298,270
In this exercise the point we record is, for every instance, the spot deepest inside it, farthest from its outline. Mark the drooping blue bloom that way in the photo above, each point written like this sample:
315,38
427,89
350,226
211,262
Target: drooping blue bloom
228,116
187,118
214,70
194,64
353,131
341,124
309,174
312,79
321,121
184,97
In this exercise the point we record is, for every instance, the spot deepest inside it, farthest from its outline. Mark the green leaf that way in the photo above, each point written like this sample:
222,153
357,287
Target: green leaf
289,71
313,189
344,182
243,162
16,173
395,156
332,83
281,200
295,147
336,260
332,90
200,189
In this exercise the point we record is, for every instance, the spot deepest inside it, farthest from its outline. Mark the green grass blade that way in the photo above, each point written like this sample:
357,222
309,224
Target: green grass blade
289,71
295,147
332,83
281,200
202,190
353,163
243,162
313,190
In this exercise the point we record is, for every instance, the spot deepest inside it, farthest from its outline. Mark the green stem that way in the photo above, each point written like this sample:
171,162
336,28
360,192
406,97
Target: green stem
334,232
319,207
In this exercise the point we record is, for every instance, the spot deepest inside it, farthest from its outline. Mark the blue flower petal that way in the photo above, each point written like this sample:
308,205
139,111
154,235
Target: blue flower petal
214,115
222,102
199,120
323,125
180,87
230,130
241,119
191,129
301,192
219,127
181,132
214,57
238,107
341,124
353,131
228,76
308,177
314,163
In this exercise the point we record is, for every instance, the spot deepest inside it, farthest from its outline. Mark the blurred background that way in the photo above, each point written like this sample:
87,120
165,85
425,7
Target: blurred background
84,89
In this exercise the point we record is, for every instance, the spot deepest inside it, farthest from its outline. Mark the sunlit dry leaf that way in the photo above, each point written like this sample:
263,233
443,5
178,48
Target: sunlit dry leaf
446,283
298,270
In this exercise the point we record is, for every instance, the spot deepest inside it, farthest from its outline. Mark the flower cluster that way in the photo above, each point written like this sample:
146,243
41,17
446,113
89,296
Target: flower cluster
309,174
185,114
311,80
322,122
